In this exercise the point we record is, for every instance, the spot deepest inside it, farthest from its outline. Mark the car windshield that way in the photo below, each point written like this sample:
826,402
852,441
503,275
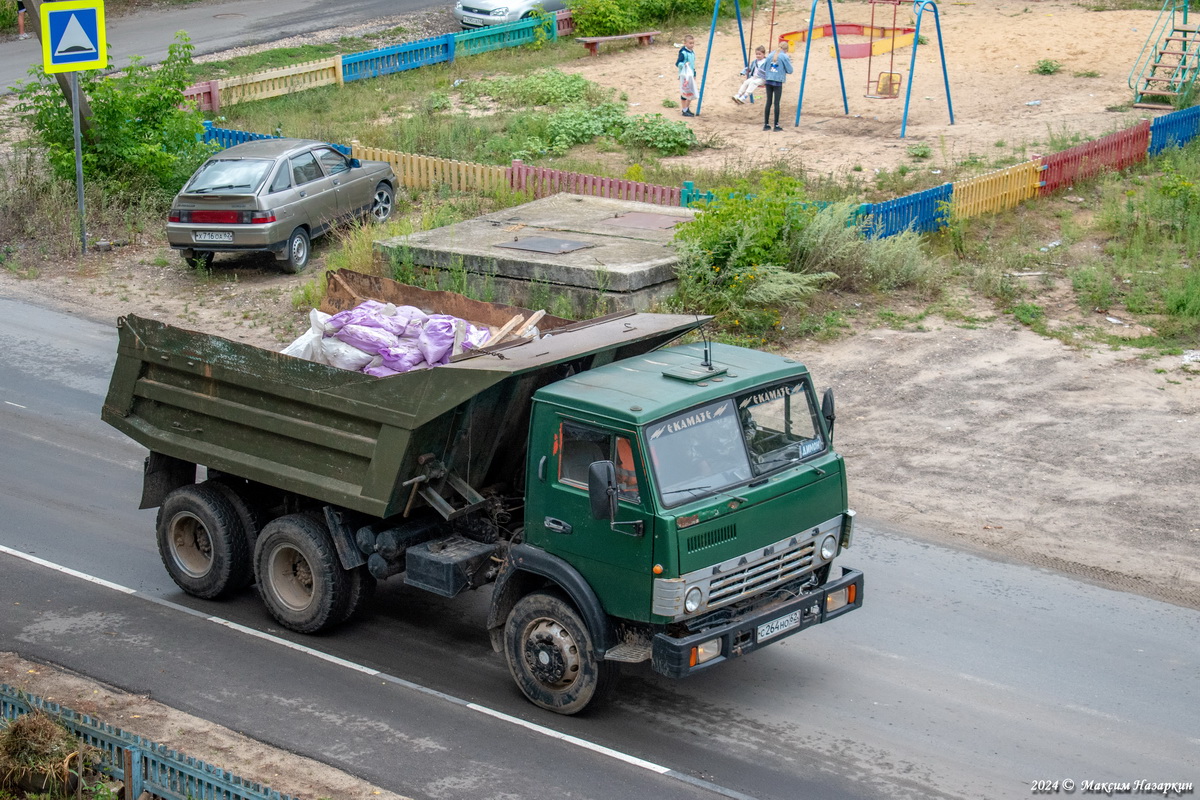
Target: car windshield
709,449
237,176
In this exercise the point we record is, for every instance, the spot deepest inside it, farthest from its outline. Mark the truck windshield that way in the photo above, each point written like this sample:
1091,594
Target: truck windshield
711,448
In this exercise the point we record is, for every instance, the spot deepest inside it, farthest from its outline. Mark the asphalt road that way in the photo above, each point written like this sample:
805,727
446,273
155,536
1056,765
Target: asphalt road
213,27
961,677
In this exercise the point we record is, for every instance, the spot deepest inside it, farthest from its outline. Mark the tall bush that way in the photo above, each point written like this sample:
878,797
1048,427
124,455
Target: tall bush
143,135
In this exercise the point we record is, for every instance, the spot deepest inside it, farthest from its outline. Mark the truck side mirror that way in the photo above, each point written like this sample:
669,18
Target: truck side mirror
827,410
602,489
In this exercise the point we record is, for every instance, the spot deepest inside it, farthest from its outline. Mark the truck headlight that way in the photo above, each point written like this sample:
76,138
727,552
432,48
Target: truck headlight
828,548
693,599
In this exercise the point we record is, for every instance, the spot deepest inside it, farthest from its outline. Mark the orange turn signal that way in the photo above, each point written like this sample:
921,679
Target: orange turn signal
694,657
851,593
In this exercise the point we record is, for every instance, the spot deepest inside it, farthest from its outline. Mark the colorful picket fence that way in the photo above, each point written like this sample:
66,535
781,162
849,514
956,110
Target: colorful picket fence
1174,130
1115,151
923,212
425,172
142,765
281,81
564,23
496,37
398,58
206,95
542,182
995,191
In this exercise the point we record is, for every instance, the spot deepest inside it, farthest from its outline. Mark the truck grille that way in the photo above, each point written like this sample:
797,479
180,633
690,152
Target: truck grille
703,541
754,578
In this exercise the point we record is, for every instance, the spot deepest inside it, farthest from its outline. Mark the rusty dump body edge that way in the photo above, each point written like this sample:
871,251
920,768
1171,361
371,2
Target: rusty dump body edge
346,438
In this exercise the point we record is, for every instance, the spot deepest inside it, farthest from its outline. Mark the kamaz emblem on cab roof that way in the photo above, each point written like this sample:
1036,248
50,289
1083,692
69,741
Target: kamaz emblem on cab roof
773,394
691,419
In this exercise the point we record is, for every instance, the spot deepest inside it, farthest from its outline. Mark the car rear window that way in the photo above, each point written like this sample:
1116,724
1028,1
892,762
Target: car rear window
235,176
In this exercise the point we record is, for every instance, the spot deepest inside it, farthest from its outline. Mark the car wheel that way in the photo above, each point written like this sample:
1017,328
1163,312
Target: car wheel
297,252
382,203
199,259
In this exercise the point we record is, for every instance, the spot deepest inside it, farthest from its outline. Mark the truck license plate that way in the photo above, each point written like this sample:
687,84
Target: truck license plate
777,626
213,236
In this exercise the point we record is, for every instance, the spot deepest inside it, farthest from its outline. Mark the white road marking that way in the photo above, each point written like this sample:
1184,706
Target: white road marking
41,562
575,740
542,730
16,405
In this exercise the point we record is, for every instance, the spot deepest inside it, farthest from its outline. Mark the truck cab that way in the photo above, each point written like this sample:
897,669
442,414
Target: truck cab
689,504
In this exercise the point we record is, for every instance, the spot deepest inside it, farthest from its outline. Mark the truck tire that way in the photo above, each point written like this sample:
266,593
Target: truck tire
361,588
249,517
298,574
551,656
202,542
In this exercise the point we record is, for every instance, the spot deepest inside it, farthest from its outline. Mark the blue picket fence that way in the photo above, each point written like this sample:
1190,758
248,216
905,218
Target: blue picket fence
398,58
227,137
152,767
923,212
1174,130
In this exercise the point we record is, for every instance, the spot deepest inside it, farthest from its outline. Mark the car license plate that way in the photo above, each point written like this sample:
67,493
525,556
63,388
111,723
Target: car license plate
474,22
212,236
777,626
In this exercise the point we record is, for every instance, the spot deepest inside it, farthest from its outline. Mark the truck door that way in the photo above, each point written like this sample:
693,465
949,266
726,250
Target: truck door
617,563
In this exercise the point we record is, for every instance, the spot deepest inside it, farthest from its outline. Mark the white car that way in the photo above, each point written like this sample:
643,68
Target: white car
479,13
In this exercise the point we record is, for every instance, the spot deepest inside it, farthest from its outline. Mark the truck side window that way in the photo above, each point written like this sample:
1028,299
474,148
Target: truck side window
582,445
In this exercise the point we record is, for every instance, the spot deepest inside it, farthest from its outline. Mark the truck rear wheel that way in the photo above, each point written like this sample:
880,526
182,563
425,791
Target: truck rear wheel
202,542
551,656
360,588
298,574
249,517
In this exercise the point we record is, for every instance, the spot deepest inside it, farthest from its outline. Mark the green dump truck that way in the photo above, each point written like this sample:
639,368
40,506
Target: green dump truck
627,500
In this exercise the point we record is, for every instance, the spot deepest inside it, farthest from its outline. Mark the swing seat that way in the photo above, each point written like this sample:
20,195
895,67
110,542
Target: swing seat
887,87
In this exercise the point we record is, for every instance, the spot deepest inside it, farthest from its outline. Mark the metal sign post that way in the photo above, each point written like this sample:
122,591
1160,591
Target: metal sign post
73,39
78,162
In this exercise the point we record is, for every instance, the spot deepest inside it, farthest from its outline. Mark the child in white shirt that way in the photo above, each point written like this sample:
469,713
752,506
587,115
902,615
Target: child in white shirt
755,75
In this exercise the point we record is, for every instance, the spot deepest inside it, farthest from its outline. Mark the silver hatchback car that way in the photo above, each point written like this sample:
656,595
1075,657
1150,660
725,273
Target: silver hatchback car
480,13
275,195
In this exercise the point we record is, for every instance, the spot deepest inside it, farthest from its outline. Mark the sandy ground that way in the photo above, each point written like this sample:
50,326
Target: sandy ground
990,47
285,772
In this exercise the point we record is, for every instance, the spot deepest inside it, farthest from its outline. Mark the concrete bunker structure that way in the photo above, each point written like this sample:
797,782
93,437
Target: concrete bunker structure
578,255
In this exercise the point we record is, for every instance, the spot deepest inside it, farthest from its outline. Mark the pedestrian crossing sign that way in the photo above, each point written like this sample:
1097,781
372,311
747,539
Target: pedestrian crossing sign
73,37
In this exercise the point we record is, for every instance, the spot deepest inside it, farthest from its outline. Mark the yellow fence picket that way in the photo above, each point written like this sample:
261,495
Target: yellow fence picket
285,80
995,191
426,172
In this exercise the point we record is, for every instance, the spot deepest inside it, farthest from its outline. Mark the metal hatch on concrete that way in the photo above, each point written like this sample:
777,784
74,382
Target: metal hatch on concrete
544,244
647,221
625,258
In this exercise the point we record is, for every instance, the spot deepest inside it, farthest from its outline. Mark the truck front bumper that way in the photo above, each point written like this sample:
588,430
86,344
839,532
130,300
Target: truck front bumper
677,657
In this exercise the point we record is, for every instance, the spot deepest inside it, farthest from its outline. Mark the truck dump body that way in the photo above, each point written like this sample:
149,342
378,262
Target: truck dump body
342,437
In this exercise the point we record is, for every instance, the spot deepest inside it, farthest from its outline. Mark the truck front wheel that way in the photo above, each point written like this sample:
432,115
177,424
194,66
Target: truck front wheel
298,575
201,542
551,656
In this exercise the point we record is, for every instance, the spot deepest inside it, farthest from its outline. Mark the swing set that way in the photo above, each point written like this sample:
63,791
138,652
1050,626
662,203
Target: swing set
884,85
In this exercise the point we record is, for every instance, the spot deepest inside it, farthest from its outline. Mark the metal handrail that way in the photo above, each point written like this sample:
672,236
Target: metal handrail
1162,28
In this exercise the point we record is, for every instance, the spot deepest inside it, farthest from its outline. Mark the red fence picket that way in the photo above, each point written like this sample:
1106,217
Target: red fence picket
207,95
1115,151
564,22
543,182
